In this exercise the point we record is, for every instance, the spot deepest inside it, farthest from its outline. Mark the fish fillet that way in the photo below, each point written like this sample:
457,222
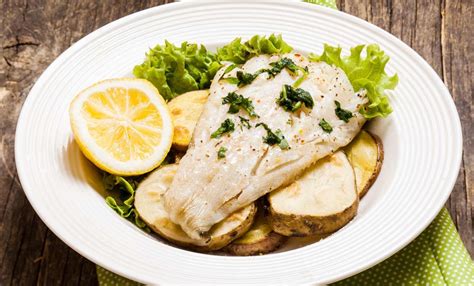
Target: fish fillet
207,189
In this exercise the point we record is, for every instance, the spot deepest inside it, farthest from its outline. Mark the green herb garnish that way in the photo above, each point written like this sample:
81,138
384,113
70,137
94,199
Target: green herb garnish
243,78
237,101
123,202
244,122
343,114
246,78
226,127
278,66
291,99
232,80
325,126
302,78
221,152
230,68
273,138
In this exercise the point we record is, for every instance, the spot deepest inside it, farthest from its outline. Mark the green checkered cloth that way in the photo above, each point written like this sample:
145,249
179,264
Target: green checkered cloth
436,257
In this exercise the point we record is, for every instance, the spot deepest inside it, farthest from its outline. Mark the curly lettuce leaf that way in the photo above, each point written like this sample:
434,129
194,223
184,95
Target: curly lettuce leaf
239,52
364,73
175,70
122,204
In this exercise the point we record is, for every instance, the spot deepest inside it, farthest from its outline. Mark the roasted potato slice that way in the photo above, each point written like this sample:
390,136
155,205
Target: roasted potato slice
323,200
149,204
366,156
185,111
260,238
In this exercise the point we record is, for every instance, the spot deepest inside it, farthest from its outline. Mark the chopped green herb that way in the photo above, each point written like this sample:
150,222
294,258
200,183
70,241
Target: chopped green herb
291,99
226,127
244,122
236,102
221,152
278,66
232,80
230,68
246,78
302,78
273,138
325,126
343,114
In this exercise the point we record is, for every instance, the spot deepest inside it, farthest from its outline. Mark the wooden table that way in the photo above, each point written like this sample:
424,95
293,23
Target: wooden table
35,32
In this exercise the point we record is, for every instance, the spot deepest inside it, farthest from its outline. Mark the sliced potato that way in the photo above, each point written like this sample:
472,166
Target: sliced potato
366,156
149,204
323,200
260,239
185,111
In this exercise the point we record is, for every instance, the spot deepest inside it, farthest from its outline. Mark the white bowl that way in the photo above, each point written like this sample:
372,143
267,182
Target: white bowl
422,141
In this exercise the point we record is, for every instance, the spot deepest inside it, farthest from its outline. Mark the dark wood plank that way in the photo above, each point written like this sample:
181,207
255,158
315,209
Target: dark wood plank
457,38
34,32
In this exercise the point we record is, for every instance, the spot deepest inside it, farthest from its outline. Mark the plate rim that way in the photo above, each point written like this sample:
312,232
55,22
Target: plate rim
27,188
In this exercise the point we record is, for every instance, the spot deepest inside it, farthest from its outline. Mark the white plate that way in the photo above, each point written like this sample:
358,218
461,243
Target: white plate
422,141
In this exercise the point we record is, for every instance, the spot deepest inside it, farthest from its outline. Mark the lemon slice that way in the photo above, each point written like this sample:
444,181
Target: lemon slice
122,125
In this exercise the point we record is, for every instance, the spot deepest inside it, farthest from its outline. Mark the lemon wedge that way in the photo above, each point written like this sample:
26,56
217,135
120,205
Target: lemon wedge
122,125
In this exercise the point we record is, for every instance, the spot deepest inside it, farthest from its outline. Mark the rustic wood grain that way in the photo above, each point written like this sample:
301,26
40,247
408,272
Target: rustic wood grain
457,55
34,32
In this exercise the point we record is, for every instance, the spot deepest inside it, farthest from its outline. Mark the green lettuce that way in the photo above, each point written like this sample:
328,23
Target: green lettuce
364,73
239,52
122,203
123,192
176,70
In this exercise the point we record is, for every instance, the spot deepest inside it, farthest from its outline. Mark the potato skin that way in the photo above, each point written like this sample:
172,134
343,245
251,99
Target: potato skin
270,243
223,240
286,217
306,225
378,166
215,243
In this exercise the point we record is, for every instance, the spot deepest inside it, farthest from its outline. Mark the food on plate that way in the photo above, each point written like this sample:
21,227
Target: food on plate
239,52
176,70
149,204
282,99
122,196
122,125
365,73
366,156
185,111
192,148
121,191
321,201
259,239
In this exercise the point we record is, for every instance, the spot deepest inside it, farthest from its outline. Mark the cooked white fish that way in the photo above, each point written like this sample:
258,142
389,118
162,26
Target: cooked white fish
206,188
